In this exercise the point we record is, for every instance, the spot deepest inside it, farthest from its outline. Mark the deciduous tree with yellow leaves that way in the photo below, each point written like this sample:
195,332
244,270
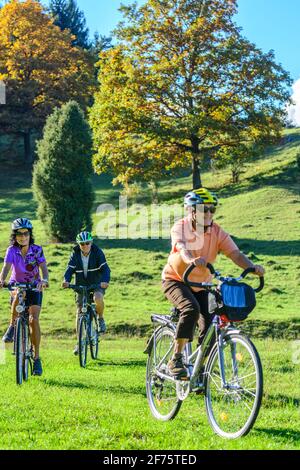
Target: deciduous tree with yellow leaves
40,68
183,82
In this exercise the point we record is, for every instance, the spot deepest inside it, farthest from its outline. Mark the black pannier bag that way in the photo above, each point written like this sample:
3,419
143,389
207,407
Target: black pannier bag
233,299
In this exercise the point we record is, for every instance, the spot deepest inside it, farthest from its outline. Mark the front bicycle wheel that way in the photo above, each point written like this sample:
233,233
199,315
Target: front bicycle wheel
233,408
161,391
19,350
94,335
83,341
27,352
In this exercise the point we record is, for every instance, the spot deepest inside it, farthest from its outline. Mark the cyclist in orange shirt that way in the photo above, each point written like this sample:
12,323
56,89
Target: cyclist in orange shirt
196,239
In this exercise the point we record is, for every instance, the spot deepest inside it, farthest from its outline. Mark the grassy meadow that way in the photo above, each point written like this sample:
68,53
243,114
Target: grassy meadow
105,406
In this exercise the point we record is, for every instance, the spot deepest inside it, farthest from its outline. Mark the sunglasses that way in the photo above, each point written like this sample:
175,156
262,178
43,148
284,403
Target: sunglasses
22,234
206,209
85,244
211,209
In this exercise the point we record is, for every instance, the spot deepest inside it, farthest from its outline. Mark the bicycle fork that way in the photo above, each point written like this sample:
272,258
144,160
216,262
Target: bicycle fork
234,362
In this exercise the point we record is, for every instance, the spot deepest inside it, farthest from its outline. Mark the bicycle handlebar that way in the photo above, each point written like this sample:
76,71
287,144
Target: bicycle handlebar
261,278
21,285
218,276
83,288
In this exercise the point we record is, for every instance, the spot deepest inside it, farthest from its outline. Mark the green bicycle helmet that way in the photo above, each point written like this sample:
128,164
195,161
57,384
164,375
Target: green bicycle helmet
84,237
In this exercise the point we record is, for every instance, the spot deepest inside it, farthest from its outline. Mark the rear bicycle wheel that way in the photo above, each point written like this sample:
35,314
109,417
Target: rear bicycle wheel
94,335
232,410
161,392
82,341
19,350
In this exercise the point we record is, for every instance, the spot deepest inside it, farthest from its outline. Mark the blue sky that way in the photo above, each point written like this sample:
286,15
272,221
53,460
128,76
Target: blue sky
270,24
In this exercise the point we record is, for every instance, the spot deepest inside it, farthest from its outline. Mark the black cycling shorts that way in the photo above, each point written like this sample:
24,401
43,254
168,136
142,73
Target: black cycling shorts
32,298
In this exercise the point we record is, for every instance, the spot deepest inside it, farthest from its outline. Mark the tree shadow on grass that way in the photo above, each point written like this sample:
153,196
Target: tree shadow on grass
101,363
67,384
280,400
283,434
17,204
268,247
288,179
259,247
105,387
145,244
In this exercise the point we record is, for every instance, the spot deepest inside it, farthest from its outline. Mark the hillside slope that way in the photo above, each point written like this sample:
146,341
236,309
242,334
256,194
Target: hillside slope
262,213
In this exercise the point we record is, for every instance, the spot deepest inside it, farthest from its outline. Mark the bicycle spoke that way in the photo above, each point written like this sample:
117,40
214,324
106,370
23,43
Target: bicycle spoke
232,409
161,393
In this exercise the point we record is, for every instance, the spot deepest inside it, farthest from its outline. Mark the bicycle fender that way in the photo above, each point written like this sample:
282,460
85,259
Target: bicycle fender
150,340
149,346
232,332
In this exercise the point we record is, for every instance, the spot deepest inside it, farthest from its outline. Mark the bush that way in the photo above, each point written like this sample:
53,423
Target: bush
61,178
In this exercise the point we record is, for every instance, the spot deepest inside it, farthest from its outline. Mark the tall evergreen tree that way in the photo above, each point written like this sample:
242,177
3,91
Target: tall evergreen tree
61,177
68,16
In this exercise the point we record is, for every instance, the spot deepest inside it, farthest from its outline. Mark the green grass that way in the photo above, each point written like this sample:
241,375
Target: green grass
105,406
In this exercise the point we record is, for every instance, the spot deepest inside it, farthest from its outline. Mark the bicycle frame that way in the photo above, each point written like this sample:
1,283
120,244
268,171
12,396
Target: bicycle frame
200,354
21,308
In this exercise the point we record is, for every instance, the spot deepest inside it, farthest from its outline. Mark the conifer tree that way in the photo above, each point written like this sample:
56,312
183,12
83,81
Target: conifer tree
61,178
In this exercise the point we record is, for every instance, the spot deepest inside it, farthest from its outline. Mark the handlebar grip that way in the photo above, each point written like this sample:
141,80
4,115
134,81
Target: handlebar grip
261,279
188,272
247,271
211,268
190,269
261,284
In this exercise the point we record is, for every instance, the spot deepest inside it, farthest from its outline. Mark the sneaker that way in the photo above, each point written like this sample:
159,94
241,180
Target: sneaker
176,367
76,350
102,326
37,367
9,335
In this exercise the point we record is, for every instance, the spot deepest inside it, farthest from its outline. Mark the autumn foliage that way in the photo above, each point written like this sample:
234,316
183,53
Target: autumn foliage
40,67
183,84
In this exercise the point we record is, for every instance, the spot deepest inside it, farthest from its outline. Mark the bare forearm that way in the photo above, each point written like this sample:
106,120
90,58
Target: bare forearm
184,253
44,269
5,271
241,260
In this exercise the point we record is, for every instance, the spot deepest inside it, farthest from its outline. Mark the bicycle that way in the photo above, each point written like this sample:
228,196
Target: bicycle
226,368
88,328
22,343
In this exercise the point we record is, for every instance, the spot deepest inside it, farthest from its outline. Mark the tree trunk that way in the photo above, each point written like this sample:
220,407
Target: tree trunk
27,147
197,183
196,173
154,191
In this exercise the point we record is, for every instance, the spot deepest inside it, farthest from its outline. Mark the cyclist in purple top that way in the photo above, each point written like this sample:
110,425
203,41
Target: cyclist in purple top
26,259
